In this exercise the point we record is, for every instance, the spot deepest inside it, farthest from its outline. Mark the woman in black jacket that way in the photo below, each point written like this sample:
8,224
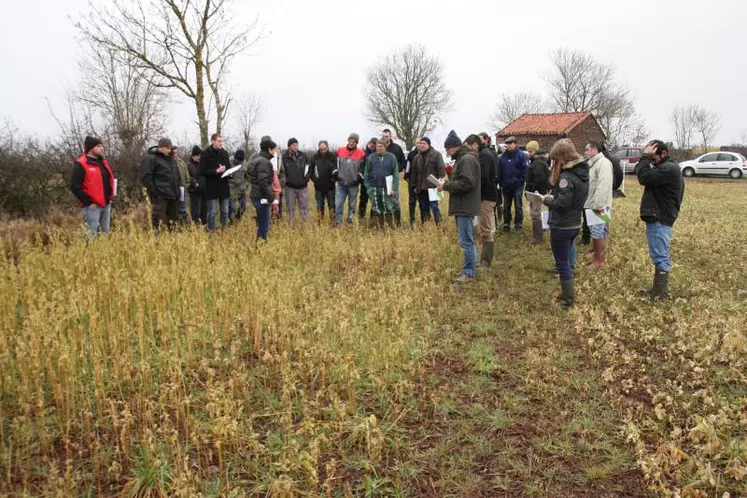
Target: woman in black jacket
260,178
570,179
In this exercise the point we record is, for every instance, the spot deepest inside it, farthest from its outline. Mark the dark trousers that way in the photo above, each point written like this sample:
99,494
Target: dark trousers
586,232
263,219
412,201
513,196
165,212
428,207
195,207
363,203
561,240
321,197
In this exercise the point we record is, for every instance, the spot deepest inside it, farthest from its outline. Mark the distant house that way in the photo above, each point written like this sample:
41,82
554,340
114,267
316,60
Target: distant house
580,127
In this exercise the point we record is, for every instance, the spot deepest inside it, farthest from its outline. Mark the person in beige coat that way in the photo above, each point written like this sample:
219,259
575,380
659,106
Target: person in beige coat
601,178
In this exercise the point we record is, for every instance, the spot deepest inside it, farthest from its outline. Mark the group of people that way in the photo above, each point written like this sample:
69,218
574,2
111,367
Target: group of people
483,186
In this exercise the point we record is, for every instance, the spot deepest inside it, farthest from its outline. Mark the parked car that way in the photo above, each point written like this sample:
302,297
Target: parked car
716,163
629,157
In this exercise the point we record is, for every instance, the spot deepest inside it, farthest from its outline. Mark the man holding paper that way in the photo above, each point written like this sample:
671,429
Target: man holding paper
214,162
599,201
92,182
381,180
159,174
297,175
428,161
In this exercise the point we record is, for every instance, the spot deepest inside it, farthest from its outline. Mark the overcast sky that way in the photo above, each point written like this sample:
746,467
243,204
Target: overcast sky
310,68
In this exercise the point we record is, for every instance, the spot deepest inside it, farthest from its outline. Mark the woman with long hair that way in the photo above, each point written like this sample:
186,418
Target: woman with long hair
570,180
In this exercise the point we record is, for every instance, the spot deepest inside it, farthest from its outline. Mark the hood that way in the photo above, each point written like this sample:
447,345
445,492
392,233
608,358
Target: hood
579,167
465,150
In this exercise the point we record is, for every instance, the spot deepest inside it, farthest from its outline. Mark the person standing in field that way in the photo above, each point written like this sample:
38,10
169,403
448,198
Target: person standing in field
92,182
350,162
428,161
378,168
570,179
463,187
538,180
195,189
488,142
160,176
513,166
663,193
297,174
412,196
184,183
265,186
363,202
214,161
324,167
488,198
600,197
399,155
237,188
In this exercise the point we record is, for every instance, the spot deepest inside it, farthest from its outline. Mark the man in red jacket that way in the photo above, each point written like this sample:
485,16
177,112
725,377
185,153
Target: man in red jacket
92,182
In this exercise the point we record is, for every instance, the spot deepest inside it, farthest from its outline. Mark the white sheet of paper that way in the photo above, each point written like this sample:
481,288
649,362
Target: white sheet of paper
433,180
534,197
433,195
274,162
592,218
181,194
263,201
389,183
306,170
114,194
545,215
407,169
231,171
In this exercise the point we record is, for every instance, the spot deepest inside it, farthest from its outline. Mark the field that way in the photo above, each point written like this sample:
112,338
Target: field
343,363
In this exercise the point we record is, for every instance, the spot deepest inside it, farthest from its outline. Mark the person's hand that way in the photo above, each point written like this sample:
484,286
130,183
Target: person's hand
441,184
391,193
548,198
650,149
276,202
221,169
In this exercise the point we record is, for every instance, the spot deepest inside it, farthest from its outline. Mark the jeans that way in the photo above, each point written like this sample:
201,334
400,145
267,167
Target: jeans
97,219
321,197
598,232
658,236
300,197
466,231
427,206
561,242
513,196
195,207
342,193
263,219
573,256
213,212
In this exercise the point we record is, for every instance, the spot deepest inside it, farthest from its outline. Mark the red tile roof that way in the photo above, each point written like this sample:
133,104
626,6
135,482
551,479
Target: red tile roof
544,124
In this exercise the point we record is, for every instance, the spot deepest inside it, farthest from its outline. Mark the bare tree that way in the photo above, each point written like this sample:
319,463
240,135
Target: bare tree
183,45
639,132
683,124
743,138
405,90
707,124
512,105
249,109
77,122
578,82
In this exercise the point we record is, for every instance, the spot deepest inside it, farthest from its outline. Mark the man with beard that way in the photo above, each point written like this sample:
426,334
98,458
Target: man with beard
324,167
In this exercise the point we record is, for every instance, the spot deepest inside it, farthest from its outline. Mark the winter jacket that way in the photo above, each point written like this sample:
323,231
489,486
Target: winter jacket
430,163
378,168
488,174
261,174
324,169
92,181
350,166
569,195
183,172
463,185
664,190
160,176
195,182
513,166
398,153
408,167
297,170
215,186
538,174
600,183
237,183
617,171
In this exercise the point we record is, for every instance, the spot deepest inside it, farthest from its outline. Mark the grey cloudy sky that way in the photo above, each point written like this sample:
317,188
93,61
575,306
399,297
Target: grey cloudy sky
310,68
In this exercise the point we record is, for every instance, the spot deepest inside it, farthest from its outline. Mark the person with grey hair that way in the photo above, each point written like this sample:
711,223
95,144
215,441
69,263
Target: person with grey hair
379,167
323,171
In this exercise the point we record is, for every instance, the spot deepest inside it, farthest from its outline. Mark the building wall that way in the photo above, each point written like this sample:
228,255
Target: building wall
545,141
583,133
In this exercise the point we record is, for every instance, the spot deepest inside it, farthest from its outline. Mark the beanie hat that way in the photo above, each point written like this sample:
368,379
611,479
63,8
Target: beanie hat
165,143
354,136
238,156
533,146
452,140
196,151
426,140
264,138
91,142
292,141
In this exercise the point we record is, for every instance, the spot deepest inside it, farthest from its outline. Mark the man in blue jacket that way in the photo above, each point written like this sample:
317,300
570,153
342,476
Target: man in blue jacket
513,166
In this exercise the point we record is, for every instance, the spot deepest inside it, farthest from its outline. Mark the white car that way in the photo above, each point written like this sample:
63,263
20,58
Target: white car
716,163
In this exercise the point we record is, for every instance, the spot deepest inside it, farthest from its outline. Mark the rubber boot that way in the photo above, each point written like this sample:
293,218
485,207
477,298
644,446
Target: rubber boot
537,233
567,295
487,254
661,285
599,247
398,218
389,221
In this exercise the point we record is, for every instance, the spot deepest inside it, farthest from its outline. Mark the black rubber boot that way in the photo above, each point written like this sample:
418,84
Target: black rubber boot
661,285
487,254
567,295
537,234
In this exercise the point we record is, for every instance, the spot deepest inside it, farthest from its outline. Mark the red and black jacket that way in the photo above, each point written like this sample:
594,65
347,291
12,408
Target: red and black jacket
87,181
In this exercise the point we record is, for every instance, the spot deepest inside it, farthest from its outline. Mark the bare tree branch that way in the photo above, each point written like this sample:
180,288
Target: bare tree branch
249,108
683,124
404,91
512,105
707,124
